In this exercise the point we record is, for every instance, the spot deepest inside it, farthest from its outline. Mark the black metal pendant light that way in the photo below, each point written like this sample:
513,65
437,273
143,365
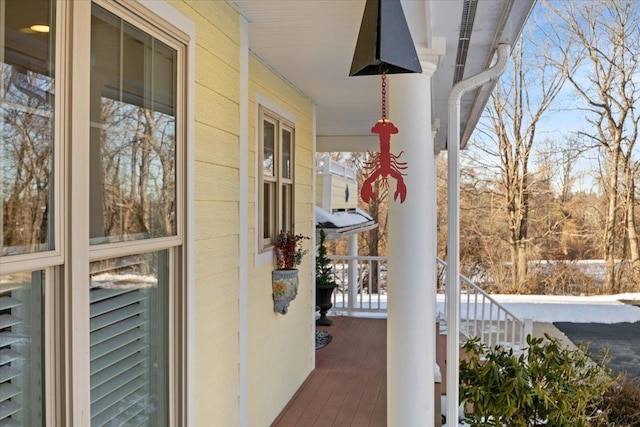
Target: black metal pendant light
384,42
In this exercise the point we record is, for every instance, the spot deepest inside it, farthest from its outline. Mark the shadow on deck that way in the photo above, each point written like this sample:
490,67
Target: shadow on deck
349,385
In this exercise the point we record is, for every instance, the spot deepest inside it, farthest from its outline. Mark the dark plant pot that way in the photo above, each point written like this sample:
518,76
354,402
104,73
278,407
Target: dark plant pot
323,302
285,288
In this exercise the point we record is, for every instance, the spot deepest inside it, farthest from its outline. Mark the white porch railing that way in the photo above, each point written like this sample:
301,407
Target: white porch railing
481,315
369,276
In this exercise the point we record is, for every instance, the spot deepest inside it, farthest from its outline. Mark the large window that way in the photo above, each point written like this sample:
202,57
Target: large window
92,282
276,176
27,209
27,90
133,132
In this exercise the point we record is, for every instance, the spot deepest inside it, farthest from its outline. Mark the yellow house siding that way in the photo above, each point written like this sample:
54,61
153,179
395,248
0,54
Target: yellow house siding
219,79
217,28
214,182
216,146
280,346
217,223
216,110
226,215
338,194
319,184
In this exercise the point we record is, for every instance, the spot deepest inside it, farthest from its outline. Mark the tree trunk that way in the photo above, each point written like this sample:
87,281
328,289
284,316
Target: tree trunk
144,180
522,265
609,231
515,274
632,231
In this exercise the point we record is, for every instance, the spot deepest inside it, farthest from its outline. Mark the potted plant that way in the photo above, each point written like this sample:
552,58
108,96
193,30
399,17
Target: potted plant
324,282
284,280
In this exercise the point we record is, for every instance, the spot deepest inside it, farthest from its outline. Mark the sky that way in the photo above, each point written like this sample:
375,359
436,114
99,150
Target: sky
565,116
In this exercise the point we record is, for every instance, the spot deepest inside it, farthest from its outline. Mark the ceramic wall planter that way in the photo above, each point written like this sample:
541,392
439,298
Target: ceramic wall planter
285,289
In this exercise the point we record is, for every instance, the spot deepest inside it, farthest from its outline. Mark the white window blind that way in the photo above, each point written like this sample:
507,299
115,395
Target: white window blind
21,350
126,326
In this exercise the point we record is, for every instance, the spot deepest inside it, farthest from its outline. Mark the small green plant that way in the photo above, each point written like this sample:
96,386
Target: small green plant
547,384
324,276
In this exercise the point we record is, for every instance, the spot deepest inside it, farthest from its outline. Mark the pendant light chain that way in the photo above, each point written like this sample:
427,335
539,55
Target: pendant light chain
384,96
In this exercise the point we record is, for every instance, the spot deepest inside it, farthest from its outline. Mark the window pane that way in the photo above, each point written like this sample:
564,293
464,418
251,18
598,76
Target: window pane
269,146
26,126
128,335
269,203
133,132
286,154
287,207
21,354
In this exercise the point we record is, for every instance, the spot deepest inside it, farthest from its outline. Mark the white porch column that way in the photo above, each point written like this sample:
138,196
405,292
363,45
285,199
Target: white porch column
412,256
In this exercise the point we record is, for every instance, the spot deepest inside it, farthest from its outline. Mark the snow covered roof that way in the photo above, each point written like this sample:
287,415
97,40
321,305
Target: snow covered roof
344,223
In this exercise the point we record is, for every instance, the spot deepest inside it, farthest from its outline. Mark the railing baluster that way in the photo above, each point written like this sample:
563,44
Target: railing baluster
468,308
475,314
498,329
376,264
504,332
483,326
369,282
491,320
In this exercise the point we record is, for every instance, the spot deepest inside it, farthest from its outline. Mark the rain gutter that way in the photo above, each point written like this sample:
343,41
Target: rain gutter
453,238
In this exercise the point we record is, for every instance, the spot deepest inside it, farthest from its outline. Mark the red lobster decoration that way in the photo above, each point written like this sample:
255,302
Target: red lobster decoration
385,164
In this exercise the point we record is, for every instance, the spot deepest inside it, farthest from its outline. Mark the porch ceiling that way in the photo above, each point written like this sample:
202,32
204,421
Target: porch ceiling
311,42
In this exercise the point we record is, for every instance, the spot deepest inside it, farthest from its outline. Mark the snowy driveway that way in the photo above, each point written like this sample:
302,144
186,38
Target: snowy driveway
604,322
621,339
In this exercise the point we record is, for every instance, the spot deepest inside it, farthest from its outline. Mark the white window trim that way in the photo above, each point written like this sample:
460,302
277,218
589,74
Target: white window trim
261,100
162,21
66,335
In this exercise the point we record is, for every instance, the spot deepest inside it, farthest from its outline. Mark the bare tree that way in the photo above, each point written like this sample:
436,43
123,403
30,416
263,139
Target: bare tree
516,107
598,41
26,154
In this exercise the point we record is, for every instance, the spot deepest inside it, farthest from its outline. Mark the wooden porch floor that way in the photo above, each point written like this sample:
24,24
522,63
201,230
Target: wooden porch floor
349,385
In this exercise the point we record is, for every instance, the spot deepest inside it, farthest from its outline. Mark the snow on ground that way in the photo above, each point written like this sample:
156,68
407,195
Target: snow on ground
538,308
577,309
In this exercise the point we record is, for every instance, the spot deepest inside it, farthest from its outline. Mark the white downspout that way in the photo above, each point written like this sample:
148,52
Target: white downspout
453,218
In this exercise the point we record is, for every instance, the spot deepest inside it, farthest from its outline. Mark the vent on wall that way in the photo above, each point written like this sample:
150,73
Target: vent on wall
466,27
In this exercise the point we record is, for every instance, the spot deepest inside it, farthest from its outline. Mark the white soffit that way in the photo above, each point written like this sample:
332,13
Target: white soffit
310,43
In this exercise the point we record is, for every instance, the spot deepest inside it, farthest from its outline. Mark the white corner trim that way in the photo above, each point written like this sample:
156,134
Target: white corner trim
190,225
314,244
244,225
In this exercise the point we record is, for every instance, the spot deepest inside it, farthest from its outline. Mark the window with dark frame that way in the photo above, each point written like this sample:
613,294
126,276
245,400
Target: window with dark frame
276,198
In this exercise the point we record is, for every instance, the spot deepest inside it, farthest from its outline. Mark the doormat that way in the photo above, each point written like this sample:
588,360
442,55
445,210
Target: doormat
322,339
